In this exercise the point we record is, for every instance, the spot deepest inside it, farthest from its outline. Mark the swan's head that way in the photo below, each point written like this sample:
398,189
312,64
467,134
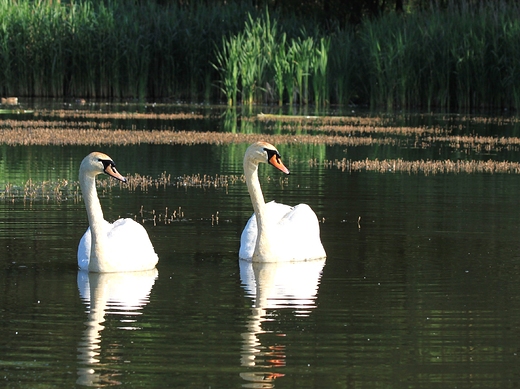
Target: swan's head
263,152
97,163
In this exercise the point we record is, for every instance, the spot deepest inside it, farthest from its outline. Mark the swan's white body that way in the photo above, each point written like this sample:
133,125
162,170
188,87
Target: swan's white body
119,247
276,232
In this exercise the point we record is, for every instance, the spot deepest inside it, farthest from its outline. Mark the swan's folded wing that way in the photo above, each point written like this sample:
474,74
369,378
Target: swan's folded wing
302,232
301,219
131,240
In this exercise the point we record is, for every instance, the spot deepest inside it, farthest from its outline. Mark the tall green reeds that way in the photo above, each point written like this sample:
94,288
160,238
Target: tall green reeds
460,56
281,68
270,64
301,53
343,67
109,49
320,62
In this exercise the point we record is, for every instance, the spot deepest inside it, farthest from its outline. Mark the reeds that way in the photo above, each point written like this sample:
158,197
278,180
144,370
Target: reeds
455,57
111,49
459,56
66,190
263,64
55,191
156,217
63,190
427,167
97,137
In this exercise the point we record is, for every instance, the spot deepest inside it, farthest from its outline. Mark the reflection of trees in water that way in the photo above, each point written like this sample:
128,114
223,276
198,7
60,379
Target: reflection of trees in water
274,286
115,293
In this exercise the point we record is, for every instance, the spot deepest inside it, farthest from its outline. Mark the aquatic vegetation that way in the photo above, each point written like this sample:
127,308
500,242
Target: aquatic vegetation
116,115
84,127
421,166
58,191
65,190
311,136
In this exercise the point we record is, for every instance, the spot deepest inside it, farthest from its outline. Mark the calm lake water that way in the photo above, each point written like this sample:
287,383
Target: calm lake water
420,288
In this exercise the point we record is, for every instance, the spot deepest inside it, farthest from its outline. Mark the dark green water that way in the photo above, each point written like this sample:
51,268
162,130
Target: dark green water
422,293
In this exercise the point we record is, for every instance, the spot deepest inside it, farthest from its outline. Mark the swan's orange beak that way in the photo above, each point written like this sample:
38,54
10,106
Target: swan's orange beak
111,170
277,163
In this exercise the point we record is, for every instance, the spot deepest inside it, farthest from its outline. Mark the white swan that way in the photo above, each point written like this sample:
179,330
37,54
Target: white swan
276,232
118,247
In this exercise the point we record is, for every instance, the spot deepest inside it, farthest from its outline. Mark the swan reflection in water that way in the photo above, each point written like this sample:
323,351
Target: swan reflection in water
115,293
275,285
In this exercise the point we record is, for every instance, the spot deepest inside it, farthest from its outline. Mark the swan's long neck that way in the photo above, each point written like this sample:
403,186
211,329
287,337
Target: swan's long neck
95,220
253,187
262,247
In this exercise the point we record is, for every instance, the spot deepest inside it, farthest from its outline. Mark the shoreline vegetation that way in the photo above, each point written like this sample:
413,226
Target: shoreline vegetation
459,57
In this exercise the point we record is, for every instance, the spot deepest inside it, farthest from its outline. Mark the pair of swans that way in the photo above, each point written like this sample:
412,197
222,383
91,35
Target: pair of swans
274,233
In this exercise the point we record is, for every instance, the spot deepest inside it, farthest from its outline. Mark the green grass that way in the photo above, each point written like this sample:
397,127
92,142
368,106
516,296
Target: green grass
458,57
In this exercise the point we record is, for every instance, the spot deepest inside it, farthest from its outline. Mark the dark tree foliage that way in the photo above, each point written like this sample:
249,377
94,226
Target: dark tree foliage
331,12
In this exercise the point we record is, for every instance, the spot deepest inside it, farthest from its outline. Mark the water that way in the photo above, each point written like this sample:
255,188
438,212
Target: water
419,289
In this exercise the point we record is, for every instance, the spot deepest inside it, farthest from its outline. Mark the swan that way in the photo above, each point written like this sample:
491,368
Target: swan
276,232
119,247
